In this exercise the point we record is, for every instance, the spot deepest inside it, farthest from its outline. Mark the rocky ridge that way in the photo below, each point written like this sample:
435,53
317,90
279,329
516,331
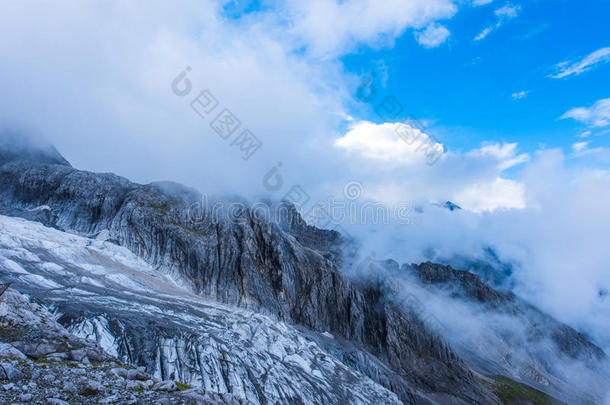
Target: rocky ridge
243,261
286,270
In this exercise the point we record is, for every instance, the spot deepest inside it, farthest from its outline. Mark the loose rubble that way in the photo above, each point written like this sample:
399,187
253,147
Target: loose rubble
42,363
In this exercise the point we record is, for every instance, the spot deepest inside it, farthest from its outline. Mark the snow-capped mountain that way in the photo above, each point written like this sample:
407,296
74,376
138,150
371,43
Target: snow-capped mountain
263,309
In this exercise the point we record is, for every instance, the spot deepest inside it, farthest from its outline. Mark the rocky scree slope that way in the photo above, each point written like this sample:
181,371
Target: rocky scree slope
42,363
103,292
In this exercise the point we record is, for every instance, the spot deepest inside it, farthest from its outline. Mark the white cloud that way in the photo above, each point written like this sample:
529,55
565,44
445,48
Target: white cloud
94,78
401,170
580,149
505,154
552,268
333,27
433,35
508,11
579,146
590,61
381,142
520,95
598,115
585,134
501,193
478,3
486,31
504,13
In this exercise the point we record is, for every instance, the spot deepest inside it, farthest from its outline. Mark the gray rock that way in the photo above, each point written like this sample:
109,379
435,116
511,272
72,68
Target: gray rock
137,375
119,372
50,378
167,386
9,372
7,350
91,388
25,397
57,357
56,401
142,385
110,400
79,355
70,387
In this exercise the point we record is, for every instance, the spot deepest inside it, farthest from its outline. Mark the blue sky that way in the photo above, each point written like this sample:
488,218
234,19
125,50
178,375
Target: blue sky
482,75
466,86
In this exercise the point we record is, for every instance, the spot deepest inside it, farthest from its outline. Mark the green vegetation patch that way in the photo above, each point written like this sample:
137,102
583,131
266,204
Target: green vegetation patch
512,392
189,229
182,387
164,207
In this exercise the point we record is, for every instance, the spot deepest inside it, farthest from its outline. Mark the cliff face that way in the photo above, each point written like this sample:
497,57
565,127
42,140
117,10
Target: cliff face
244,261
283,269
105,293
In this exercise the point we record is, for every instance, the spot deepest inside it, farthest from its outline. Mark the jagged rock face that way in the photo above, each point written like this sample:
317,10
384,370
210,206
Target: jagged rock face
245,261
283,269
104,293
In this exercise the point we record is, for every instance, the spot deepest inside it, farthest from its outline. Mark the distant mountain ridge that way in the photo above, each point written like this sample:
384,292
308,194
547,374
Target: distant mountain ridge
17,147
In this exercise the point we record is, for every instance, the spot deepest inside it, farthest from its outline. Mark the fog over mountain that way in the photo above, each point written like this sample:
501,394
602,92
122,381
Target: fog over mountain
452,333
417,191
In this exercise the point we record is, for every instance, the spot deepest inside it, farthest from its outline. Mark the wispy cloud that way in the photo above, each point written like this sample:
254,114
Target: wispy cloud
486,31
580,146
332,28
585,134
590,61
520,95
508,11
433,35
504,13
580,149
598,115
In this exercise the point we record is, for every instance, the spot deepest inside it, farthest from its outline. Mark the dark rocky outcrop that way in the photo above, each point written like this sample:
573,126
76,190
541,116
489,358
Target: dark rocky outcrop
284,270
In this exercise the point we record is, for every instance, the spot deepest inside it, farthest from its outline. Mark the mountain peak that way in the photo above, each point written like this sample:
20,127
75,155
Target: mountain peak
452,206
15,147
